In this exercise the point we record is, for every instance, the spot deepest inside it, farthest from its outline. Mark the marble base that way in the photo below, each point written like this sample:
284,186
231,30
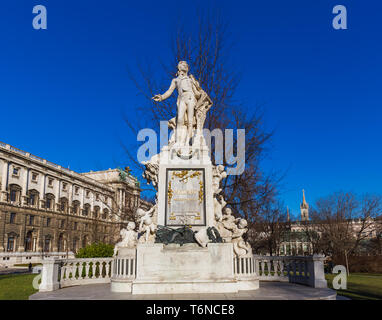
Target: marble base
186,269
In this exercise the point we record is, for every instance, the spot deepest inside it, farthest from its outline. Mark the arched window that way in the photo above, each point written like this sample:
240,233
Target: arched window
74,246
86,210
49,201
105,214
60,243
64,205
76,207
14,193
11,243
47,243
33,198
96,212
29,241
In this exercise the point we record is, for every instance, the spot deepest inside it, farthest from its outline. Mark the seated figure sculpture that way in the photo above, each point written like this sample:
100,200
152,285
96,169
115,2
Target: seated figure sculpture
129,238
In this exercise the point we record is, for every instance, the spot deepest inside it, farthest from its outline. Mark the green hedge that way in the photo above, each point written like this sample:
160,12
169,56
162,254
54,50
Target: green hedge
96,250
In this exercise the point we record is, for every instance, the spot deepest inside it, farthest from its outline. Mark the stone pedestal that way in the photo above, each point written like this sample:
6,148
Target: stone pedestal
187,269
185,188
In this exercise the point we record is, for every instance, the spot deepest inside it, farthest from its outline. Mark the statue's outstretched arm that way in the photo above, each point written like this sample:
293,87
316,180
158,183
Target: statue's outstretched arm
168,93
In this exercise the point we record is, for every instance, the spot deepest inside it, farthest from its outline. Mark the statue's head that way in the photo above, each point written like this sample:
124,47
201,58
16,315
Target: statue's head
183,66
242,223
220,167
140,212
131,225
227,211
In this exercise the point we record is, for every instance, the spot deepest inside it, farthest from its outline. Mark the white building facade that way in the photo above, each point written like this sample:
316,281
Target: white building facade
47,208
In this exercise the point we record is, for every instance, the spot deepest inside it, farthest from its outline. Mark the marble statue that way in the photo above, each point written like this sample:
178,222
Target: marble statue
147,226
218,174
192,106
219,204
240,247
129,238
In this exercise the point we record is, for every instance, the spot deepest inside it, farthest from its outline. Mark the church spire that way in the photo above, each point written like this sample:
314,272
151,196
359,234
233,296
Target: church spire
304,208
288,216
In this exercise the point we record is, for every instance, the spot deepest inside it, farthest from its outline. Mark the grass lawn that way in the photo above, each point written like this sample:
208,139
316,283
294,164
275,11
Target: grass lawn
16,286
360,286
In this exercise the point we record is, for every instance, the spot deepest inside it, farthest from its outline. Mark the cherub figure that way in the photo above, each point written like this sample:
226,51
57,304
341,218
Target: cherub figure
218,174
129,238
147,227
218,207
240,247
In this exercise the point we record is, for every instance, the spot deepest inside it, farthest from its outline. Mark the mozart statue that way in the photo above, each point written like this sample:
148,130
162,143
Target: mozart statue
192,104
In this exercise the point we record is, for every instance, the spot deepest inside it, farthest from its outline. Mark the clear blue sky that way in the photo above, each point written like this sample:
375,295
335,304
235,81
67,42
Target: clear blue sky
63,90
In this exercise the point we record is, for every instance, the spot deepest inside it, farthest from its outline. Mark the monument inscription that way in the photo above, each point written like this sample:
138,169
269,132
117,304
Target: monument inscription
185,197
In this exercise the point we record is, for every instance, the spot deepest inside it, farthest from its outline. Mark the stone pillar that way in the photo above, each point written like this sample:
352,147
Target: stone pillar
316,271
49,278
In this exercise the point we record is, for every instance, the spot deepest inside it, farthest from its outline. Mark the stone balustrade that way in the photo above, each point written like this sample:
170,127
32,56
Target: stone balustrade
124,267
84,271
60,273
244,266
307,270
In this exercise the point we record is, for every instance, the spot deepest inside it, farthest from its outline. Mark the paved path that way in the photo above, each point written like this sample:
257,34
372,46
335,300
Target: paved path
267,291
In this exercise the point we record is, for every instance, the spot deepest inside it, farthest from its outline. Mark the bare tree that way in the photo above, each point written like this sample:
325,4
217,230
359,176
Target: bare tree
207,51
269,229
343,221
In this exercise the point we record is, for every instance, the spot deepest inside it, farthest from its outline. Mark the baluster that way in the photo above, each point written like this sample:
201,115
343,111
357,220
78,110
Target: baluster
275,268
63,272
269,266
87,265
108,267
281,264
262,268
94,270
132,265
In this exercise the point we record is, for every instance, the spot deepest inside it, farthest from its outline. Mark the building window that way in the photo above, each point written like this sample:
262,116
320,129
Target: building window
96,212
32,199
49,201
64,205
75,225
50,182
77,190
86,210
34,177
31,220
76,207
12,218
48,220
11,243
16,171
87,194
62,226
14,193
29,241
47,244
64,186
97,197
105,214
